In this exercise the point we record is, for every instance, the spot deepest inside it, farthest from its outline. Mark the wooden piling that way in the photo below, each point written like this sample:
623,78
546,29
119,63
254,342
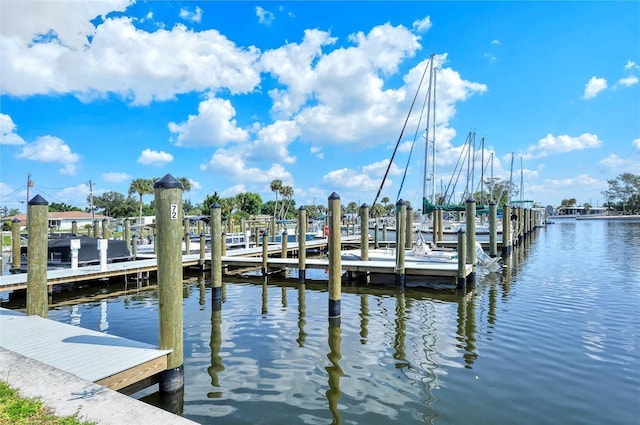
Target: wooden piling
462,262
223,243
493,229
470,216
408,240
106,234
376,235
168,241
302,244
74,227
435,224
215,222
506,230
401,222
187,236
335,260
127,234
364,232
384,232
15,244
284,241
37,291
203,249
96,229
440,213
265,253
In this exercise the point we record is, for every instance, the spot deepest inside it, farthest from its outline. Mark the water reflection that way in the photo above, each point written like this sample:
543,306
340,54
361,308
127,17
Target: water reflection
302,335
215,345
335,372
401,331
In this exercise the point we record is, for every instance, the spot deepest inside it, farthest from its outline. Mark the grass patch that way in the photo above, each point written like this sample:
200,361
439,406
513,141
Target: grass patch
17,410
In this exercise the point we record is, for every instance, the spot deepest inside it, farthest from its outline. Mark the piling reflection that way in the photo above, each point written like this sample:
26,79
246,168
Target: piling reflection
364,318
467,328
401,332
302,335
203,290
265,296
335,371
215,345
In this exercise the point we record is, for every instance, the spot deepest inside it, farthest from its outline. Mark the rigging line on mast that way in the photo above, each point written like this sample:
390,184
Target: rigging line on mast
395,150
415,137
461,158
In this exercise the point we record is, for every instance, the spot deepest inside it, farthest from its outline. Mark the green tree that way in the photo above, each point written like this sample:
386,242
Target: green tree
626,189
62,207
352,208
571,202
248,202
276,187
141,187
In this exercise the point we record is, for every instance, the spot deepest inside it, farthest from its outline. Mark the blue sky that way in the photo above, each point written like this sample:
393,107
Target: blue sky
233,95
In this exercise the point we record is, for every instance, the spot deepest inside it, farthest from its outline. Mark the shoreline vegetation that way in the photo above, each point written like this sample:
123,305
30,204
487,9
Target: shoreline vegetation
18,410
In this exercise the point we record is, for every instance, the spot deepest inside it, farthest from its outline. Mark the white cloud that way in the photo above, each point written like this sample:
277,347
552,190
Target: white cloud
551,144
351,180
139,66
264,16
495,43
193,16
114,177
233,190
233,166
628,81
51,149
214,125
422,25
317,152
378,169
157,158
77,195
636,144
195,185
614,163
272,143
631,65
8,135
594,86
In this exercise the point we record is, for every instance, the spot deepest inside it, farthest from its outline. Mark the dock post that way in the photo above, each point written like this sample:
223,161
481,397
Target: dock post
462,262
168,201
284,236
265,252
376,235
187,237
470,216
384,233
127,234
215,222
74,227
15,244
401,221
105,229
335,261
364,232
506,230
440,224
493,229
203,248
134,247
37,291
409,228
302,244
223,243
436,223
96,229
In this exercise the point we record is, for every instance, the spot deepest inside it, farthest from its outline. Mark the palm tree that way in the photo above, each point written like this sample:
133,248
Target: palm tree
385,201
287,193
141,187
276,186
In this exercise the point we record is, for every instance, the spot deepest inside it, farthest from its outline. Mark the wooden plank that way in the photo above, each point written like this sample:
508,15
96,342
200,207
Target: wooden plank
135,374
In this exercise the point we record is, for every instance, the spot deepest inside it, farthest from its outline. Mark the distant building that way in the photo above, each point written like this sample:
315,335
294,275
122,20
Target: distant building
61,221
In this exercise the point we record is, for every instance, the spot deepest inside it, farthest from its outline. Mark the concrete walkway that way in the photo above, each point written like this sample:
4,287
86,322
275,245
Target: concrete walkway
68,395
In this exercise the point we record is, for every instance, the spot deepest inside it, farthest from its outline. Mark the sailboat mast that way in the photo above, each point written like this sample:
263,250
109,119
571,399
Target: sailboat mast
433,156
426,148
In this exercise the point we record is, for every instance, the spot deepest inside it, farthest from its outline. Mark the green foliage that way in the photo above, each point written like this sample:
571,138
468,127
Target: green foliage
248,202
114,204
625,189
62,207
17,410
572,202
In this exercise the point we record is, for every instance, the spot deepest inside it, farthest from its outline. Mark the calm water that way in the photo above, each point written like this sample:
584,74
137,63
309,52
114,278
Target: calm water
553,340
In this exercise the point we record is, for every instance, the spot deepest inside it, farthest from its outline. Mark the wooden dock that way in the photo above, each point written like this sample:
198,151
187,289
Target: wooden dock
238,257
106,360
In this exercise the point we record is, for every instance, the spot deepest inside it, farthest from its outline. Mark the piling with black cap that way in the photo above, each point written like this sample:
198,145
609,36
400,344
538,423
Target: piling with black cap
74,227
168,201
302,244
96,229
376,236
187,237
203,248
401,222
265,253
105,229
216,251
37,293
434,235
335,261
15,244
506,230
284,237
440,212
